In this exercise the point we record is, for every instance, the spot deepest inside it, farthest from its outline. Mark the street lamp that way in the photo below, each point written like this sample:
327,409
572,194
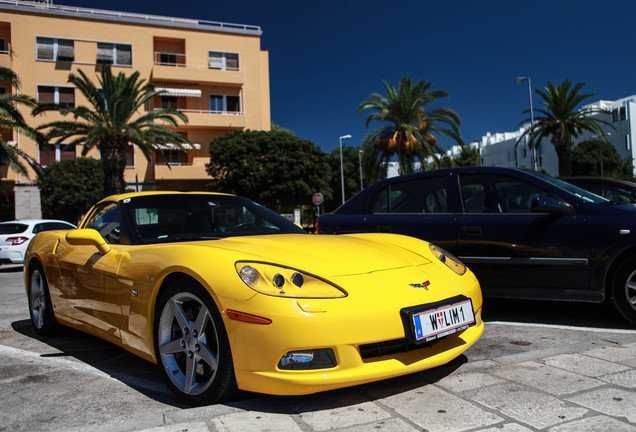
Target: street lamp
534,148
360,163
341,166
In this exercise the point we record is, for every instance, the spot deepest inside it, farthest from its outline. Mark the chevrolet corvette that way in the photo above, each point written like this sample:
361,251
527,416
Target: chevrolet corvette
226,295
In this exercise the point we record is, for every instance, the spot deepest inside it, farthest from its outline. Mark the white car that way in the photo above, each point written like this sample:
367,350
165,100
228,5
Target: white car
16,235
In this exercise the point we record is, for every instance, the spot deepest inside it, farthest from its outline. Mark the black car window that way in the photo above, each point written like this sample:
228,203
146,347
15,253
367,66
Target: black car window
12,228
423,195
170,218
487,193
105,219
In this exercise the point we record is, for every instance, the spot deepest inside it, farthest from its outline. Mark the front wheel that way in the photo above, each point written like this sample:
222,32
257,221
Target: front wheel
624,289
191,345
40,305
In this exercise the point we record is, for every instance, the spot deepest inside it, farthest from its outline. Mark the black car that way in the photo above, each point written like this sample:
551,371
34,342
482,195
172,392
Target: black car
524,234
621,191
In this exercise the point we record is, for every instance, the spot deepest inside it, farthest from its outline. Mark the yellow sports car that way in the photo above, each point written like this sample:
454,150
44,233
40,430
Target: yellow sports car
224,294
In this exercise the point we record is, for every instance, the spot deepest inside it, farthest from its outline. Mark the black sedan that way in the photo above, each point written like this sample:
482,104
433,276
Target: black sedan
524,234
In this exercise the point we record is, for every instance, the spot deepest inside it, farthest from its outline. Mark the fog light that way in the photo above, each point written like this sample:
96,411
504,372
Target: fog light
308,359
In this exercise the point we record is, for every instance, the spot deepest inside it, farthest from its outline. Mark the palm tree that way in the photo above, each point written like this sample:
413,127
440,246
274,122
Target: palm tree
409,130
560,121
111,122
12,119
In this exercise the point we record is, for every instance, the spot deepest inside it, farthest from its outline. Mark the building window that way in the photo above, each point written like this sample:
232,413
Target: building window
50,153
627,146
223,60
623,114
63,96
114,54
168,59
169,102
4,49
225,103
61,50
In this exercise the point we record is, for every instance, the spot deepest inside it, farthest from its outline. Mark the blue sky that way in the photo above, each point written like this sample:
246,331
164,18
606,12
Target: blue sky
327,56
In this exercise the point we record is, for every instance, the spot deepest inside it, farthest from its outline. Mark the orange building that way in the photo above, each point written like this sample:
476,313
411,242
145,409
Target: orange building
215,73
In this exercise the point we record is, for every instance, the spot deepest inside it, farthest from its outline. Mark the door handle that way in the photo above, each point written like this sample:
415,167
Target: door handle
472,231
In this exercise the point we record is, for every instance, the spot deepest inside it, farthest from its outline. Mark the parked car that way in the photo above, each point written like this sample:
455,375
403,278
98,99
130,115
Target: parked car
621,191
524,234
222,293
16,235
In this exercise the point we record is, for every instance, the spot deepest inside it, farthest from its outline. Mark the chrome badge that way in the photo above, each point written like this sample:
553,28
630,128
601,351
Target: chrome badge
421,285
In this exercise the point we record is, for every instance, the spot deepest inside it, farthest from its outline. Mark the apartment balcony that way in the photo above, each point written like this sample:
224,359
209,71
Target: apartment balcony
233,120
187,171
176,67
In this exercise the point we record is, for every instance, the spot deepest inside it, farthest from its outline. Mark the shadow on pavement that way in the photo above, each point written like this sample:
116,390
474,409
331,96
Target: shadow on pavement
13,268
116,362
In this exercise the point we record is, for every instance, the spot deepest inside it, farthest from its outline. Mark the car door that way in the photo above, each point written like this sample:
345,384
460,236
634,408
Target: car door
89,280
416,207
514,250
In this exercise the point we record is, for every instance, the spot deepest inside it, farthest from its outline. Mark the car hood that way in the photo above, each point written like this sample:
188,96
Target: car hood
330,255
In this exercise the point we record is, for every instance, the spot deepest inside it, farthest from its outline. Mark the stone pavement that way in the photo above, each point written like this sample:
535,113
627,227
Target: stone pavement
586,382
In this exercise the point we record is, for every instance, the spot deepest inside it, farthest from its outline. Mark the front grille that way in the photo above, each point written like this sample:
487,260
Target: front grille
396,346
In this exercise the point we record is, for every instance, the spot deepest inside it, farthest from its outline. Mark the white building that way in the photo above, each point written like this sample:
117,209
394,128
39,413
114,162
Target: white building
501,149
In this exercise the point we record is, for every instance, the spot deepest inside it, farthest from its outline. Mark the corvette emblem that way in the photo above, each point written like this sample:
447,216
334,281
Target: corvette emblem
421,285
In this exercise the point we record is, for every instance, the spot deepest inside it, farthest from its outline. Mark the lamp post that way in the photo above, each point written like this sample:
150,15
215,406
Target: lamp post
534,148
342,167
360,163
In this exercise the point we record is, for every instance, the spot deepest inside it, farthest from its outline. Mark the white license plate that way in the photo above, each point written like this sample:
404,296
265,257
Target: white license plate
437,323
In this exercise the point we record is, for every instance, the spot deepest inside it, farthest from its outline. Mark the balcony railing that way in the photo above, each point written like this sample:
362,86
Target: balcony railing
164,58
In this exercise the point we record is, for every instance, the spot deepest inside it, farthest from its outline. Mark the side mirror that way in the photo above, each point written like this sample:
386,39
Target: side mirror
88,237
545,204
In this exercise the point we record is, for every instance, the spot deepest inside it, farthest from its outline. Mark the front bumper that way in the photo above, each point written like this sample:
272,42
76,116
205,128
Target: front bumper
342,325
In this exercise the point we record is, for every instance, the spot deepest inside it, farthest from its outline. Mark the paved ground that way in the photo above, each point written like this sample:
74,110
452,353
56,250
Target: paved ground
538,367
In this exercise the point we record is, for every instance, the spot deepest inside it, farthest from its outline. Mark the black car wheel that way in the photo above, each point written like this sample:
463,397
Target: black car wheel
624,289
191,345
40,306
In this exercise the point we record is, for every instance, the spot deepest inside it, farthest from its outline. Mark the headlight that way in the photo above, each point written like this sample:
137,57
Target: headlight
283,281
447,258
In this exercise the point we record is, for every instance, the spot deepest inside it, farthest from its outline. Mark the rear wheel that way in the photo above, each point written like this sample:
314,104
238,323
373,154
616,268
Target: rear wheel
624,289
191,345
40,306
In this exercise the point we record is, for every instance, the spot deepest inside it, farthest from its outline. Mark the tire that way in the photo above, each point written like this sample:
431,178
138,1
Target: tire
191,345
624,289
40,305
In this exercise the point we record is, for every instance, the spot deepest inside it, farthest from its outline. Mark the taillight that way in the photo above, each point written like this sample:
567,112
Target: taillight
317,228
15,241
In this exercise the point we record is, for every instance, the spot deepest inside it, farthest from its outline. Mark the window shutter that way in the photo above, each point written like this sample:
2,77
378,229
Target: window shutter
44,48
231,61
124,55
104,53
215,60
65,50
46,94
67,96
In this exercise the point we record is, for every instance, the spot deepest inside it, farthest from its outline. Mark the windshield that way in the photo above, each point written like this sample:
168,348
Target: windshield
12,228
170,218
580,193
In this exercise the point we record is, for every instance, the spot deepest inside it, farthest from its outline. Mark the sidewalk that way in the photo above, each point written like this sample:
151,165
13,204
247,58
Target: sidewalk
584,382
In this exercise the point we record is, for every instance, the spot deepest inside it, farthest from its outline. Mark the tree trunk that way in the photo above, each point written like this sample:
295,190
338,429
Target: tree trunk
564,153
113,165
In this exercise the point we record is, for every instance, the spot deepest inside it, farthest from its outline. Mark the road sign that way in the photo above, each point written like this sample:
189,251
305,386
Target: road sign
317,198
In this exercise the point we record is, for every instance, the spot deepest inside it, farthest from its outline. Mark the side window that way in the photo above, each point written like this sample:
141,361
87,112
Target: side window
106,220
425,195
484,193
